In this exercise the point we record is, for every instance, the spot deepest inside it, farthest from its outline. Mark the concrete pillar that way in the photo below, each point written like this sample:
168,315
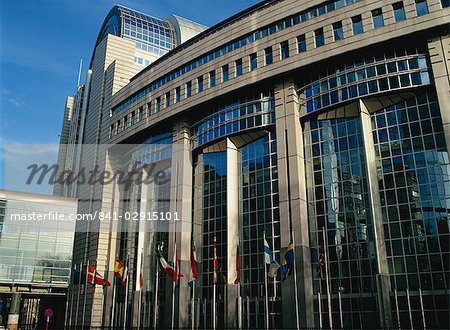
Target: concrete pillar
232,231
13,316
293,206
383,282
439,48
181,203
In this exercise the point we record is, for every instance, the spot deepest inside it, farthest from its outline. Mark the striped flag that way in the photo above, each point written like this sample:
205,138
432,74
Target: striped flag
194,268
216,261
268,259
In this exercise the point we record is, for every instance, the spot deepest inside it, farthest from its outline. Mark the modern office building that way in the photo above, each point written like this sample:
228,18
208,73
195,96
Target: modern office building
35,257
324,124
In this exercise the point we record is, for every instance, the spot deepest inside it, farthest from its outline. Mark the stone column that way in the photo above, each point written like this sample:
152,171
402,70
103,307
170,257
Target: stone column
181,203
383,282
439,48
232,231
293,206
14,312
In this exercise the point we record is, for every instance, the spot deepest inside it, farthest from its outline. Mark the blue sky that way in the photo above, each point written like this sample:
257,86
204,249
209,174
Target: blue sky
41,43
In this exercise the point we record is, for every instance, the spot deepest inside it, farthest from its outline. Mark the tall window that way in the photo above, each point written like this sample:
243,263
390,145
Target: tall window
167,99
357,25
200,84
421,7
188,89
399,11
158,104
445,3
225,73
253,61
377,18
239,67
212,78
177,94
284,50
268,55
320,38
337,31
149,109
301,43
141,113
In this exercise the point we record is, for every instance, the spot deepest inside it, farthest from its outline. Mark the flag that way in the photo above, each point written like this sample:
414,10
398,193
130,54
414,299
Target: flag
125,273
90,274
194,269
238,267
118,268
140,283
170,270
321,263
268,259
76,274
95,278
216,261
176,264
267,253
288,261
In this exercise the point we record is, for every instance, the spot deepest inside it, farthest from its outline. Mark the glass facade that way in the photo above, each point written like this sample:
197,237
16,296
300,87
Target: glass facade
210,221
151,34
338,203
35,252
259,213
237,116
413,176
412,171
369,75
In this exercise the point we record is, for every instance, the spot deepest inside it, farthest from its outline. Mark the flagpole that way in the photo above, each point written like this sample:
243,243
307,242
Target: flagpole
421,308
113,305
214,305
409,308
295,282
141,284
85,293
156,296
173,286
396,308
71,301
214,287
266,300
320,308
341,317
325,251
239,300
79,292
67,300
126,291
193,307
239,306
